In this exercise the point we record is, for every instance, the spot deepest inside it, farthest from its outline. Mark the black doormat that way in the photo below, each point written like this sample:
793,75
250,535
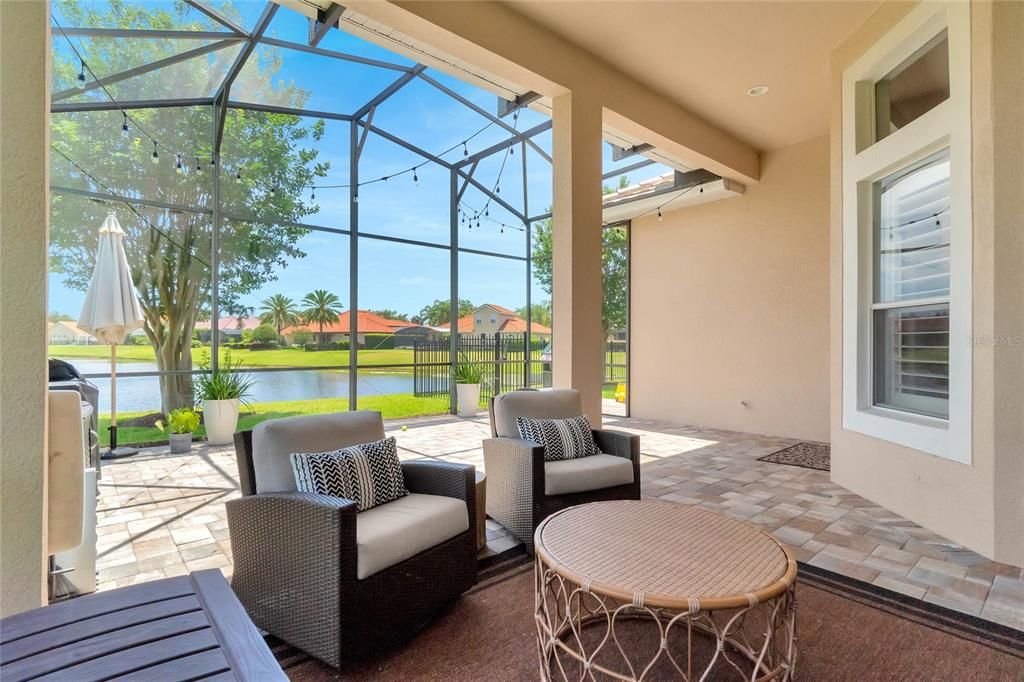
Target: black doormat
806,455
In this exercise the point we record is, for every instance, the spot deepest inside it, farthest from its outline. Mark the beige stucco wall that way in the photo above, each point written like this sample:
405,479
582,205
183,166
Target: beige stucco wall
24,216
980,505
729,303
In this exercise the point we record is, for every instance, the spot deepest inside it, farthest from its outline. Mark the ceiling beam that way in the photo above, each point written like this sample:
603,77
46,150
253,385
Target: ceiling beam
506,107
505,144
324,22
495,37
620,153
146,33
140,70
217,16
390,90
224,91
483,112
104,105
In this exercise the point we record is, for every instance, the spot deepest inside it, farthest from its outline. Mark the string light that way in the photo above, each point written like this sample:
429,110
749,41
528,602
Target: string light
238,176
415,178
465,149
81,71
273,191
177,166
312,193
156,154
659,214
198,169
124,126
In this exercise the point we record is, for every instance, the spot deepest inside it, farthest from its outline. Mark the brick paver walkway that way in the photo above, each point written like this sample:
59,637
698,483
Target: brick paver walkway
163,515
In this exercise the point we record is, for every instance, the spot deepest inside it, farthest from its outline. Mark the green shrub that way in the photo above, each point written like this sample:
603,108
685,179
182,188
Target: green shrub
182,420
302,337
264,334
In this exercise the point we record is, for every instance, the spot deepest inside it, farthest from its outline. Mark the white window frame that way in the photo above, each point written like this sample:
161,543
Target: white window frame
865,161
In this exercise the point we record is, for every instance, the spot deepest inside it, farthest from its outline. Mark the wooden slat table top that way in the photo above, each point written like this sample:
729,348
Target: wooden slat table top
183,628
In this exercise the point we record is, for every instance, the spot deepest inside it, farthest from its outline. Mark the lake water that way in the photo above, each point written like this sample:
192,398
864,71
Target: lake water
142,394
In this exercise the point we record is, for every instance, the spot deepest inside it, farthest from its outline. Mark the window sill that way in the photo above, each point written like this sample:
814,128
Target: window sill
926,434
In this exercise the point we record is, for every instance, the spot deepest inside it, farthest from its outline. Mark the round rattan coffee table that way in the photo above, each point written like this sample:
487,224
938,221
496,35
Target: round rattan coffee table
696,576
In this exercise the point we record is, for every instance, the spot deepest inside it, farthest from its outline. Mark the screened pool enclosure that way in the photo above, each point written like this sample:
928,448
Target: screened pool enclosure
301,202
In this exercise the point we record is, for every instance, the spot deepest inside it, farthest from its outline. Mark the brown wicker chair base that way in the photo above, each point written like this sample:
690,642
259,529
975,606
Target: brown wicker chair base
295,566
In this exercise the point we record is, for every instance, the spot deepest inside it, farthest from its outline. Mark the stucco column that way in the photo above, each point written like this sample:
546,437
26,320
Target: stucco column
24,220
576,244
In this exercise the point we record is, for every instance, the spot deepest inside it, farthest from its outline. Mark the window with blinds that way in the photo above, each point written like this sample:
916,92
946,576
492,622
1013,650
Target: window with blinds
910,312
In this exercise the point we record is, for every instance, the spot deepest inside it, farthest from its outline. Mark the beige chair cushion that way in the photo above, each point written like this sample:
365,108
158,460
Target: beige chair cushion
396,531
274,441
557,403
586,473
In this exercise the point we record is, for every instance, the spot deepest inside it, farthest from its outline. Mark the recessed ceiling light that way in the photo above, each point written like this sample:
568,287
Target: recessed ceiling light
757,90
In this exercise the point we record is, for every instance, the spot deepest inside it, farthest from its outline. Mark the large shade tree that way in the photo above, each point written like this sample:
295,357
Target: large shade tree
268,162
437,313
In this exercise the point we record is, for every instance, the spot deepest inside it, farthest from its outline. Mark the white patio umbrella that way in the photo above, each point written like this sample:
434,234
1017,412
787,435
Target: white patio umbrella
111,310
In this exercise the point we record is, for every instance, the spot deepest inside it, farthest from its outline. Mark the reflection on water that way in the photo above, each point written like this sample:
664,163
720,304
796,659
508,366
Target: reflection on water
142,394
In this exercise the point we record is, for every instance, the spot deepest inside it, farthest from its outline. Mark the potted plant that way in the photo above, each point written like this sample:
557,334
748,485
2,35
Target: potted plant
181,423
221,391
468,377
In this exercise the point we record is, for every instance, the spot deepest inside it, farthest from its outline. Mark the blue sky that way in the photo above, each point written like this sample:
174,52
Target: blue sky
391,275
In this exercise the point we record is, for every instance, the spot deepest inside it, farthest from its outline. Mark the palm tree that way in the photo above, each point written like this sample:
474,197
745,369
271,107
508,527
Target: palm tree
279,311
322,307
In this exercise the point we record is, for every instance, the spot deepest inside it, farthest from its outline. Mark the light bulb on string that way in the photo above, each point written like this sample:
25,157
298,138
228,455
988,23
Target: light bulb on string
497,189
177,165
702,189
198,169
512,151
312,193
81,72
355,198
659,214
238,176
487,213
273,191
465,149
124,126
415,178
156,154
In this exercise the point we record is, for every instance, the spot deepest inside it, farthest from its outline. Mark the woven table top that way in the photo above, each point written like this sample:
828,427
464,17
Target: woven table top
665,553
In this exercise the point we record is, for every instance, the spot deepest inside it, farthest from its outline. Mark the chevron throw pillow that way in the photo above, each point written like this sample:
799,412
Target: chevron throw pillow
561,438
368,474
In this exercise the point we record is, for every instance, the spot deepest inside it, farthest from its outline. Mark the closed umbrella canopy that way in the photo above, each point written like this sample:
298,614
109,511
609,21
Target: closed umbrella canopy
111,310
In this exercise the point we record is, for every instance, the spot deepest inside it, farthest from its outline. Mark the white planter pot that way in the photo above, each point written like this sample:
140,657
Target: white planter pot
180,442
469,399
220,418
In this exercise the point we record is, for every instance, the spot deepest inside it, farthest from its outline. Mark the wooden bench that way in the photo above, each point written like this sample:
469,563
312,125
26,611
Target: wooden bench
182,628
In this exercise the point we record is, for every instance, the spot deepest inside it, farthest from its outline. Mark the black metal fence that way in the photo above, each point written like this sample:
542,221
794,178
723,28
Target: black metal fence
511,360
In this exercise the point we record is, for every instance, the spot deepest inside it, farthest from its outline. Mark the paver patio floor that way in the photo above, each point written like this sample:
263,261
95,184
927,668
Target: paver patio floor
162,515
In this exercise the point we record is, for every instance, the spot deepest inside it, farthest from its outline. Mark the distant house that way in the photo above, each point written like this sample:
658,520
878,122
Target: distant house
491,319
367,323
229,327
65,333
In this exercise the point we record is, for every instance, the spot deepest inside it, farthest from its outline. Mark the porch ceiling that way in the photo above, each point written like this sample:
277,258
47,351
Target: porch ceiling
706,55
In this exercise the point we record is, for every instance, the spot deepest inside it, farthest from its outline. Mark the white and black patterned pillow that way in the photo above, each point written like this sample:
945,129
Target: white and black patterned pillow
561,438
368,474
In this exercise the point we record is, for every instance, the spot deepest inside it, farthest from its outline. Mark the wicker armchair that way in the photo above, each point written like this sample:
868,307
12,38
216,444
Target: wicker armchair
523,489
316,574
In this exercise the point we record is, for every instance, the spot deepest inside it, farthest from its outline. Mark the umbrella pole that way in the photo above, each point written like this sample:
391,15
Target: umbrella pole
113,397
115,452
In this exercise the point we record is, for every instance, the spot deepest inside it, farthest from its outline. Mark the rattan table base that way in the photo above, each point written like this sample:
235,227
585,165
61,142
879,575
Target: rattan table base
592,628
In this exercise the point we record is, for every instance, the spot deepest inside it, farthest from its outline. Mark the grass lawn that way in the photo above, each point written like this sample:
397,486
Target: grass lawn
396,406
279,357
